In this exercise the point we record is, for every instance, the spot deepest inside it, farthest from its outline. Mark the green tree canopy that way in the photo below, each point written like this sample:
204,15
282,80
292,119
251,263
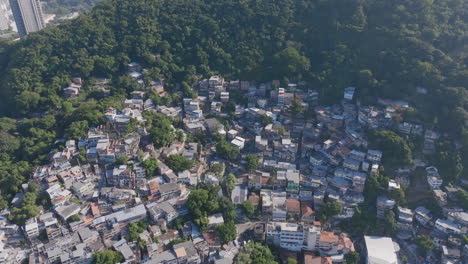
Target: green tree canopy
227,151
248,207
252,162
256,253
289,62
424,243
179,163
330,209
150,166
396,151
227,231
107,257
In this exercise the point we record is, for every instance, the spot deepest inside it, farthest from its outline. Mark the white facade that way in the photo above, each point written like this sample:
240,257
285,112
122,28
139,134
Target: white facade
293,237
447,226
381,250
433,177
31,228
28,16
435,181
238,142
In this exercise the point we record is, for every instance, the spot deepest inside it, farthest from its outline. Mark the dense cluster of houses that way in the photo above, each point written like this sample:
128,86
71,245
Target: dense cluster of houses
303,163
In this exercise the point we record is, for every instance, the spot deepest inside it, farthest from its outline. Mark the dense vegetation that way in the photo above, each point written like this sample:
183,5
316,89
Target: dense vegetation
384,48
62,7
255,253
179,163
205,202
107,257
397,151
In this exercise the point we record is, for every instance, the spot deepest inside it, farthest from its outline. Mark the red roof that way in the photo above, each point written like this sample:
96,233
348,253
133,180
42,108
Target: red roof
293,205
306,209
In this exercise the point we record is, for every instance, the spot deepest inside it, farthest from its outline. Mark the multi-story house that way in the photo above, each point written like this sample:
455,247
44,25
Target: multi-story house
384,204
422,215
293,180
433,178
328,243
374,155
405,219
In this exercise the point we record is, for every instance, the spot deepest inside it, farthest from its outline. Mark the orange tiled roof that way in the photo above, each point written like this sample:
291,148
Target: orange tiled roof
153,185
306,209
328,237
293,205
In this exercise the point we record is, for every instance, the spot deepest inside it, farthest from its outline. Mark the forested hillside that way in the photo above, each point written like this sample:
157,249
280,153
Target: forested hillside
384,48
62,7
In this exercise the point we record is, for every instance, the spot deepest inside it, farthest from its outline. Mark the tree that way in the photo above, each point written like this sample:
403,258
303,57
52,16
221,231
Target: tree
73,218
217,169
256,253
289,62
20,215
227,231
230,182
265,120
352,258
203,202
7,124
162,132
424,244
122,160
330,209
375,186
8,143
27,209
107,257
291,261
3,203
78,129
390,223
448,162
399,196
27,101
227,151
297,108
252,162
248,208
179,163
462,196
135,229
161,137
395,148
150,166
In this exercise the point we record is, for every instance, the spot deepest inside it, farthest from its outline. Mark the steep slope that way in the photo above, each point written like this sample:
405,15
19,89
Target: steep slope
385,48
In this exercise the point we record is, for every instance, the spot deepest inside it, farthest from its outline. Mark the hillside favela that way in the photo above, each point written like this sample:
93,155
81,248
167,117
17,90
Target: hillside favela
234,131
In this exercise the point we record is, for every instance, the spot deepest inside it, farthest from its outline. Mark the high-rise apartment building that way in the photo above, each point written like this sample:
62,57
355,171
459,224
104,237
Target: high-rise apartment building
28,16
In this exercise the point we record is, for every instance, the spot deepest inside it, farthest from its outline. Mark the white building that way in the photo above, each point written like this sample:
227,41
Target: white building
216,219
28,16
293,237
381,250
433,178
281,92
238,142
422,215
349,93
447,226
31,227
